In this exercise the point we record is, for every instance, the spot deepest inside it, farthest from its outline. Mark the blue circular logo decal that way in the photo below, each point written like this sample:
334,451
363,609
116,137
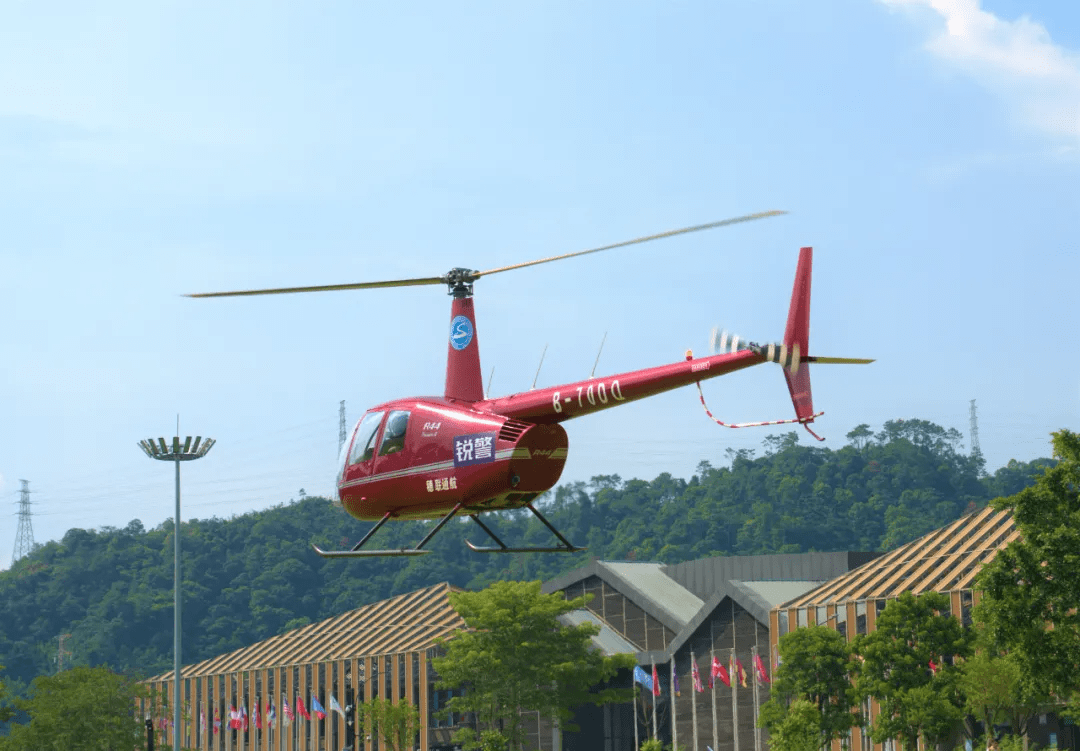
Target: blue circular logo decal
461,332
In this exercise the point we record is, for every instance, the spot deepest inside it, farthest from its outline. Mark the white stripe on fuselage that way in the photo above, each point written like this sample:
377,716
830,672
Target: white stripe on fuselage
500,455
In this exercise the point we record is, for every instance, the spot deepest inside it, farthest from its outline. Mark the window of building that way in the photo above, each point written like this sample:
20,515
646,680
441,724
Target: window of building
965,607
860,617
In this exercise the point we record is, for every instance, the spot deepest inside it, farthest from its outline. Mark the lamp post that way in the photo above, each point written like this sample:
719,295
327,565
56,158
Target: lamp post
178,452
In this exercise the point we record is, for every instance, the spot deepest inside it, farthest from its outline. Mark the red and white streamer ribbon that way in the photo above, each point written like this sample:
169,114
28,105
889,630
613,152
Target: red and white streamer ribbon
801,420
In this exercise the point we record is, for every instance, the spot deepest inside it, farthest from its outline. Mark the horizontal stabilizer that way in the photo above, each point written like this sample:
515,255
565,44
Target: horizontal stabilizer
839,360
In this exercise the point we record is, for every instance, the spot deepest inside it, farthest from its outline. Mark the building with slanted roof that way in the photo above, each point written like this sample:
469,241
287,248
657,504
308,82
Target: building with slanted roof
662,614
946,560
672,614
383,649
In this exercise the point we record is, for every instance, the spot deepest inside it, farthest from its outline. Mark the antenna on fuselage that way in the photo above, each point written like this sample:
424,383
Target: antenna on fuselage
487,391
538,368
593,372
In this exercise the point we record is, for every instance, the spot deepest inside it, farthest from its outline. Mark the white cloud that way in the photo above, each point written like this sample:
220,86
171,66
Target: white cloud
1017,60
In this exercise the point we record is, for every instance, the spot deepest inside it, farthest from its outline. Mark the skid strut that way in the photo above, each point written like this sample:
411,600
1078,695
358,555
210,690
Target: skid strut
356,551
566,547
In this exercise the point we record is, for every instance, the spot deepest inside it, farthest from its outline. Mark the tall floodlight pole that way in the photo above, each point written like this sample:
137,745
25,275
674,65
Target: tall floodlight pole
185,452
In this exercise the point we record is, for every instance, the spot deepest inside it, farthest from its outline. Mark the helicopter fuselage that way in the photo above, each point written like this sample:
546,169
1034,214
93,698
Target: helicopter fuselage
491,454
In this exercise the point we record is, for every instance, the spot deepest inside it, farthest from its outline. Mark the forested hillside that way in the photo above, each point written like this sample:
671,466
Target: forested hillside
256,575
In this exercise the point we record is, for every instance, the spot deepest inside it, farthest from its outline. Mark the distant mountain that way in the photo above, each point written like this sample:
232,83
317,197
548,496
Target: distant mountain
256,575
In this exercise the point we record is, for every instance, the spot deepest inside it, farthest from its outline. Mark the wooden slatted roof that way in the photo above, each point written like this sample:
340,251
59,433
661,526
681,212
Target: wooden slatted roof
406,623
946,559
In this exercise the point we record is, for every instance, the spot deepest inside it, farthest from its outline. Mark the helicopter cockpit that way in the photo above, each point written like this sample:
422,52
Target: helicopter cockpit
365,433
393,439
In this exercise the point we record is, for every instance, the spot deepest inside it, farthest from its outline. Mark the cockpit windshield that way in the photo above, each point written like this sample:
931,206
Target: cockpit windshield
343,455
363,445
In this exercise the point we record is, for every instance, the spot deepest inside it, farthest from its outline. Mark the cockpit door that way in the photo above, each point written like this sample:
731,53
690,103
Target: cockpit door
395,449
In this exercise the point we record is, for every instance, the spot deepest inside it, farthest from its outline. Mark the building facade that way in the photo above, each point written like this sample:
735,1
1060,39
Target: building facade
380,650
946,560
675,616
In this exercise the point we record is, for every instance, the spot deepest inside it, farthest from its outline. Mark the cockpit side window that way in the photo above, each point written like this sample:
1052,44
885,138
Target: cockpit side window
363,446
393,439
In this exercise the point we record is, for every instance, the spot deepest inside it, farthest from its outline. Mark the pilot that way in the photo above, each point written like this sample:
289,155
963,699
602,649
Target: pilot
394,438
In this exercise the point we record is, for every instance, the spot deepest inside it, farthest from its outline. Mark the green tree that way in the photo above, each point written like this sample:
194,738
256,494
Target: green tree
814,669
395,725
6,711
905,667
994,691
516,655
1031,589
799,729
82,708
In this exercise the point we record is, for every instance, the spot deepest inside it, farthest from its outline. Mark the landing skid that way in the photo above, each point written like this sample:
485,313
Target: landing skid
566,547
356,551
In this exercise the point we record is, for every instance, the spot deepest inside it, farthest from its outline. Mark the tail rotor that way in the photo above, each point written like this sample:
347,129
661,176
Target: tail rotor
790,354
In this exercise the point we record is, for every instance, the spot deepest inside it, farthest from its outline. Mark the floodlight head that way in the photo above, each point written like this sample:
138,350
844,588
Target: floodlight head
185,451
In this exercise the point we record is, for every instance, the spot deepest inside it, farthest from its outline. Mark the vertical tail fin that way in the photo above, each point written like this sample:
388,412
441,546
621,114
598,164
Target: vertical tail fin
797,342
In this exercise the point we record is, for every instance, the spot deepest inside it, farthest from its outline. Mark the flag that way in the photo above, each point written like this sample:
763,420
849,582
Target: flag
675,683
640,676
317,708
217,721
271,714
234,718
243,717
719,671
301,710
740,672
335,707
256,720
655,681
696,677
762,676
286,712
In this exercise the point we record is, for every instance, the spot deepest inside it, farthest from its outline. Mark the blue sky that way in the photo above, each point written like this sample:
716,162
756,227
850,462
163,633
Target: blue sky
929,151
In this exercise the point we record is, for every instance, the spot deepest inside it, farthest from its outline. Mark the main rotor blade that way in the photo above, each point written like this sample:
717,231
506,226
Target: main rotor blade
326,287
647,238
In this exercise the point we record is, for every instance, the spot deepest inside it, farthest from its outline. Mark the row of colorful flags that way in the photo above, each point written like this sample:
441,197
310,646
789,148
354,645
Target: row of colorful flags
239,719
717,669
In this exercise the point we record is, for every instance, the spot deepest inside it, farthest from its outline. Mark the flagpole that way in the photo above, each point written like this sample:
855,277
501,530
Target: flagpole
674,727
693,697
734,674
633,700
757,699
712,680
654,728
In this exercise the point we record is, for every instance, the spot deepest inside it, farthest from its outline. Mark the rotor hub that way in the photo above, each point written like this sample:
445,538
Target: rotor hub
459,282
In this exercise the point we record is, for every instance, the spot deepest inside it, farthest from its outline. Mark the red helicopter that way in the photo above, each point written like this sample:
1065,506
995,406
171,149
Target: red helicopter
437,457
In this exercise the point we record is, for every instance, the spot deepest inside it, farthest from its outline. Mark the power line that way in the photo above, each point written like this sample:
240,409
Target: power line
24,538
975,450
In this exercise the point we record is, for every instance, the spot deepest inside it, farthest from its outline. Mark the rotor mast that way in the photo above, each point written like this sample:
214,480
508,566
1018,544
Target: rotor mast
464,379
